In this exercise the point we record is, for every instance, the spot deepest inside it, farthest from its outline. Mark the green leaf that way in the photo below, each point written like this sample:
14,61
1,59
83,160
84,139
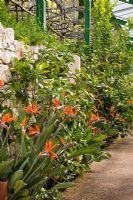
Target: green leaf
5,168
47,130
103,156
23,145
16,176
36,182
26,198
3,154
52,118
99,138
24,163
19,185
90,150
25,193
58,170
43,137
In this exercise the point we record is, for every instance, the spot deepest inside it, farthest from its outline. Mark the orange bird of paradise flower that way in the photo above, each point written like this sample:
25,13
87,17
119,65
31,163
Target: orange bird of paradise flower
24,122
1,84
7,119
69,111
62,141
49,146
34,109
130,101
34,131
56,103
94,117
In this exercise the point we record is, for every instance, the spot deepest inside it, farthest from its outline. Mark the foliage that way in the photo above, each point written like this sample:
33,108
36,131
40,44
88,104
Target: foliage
26,30
79,118
5,18
28,141
109,62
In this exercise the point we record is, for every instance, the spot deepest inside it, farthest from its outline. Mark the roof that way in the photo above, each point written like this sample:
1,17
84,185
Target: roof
124,11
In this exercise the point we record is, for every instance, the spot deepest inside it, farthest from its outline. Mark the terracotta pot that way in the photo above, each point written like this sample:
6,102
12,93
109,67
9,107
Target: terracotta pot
3,190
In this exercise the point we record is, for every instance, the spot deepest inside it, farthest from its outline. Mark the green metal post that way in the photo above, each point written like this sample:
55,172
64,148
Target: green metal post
87,21
41,13
118,21
127,1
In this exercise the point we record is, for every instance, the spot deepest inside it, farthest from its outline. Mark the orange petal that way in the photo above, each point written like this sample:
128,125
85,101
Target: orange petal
53,155
1,83
24,122
62,140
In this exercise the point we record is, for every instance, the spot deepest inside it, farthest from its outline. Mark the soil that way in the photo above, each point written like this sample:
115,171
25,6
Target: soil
110,179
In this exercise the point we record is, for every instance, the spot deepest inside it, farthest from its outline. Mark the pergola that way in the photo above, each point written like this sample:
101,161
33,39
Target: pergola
42,18
71,19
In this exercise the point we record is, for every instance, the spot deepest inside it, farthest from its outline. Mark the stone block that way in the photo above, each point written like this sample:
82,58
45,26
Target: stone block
6,56
1,44
36,49
9,36
5,73
12,48
74,68
20,49
3,57
1,30
35,56
6,37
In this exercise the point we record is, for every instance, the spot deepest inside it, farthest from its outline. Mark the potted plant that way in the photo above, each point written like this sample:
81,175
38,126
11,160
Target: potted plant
3,190
5,169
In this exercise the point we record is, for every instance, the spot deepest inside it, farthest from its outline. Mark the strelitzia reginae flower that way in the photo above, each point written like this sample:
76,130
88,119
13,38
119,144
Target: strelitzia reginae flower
6,119
49,146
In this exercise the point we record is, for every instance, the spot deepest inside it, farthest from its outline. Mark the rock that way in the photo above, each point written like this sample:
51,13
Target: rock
5,73
6,56
35,56
1,30
6,37
3,57
20,49
12,48
9,36
74,68
37,48
10,55
1,44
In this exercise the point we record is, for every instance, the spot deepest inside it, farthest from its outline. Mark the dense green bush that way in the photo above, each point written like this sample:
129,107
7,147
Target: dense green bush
109,62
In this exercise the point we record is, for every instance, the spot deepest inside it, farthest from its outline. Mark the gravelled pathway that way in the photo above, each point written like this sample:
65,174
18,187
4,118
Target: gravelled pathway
110,179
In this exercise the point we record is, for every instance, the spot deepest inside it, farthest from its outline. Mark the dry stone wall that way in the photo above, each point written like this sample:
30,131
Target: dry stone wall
10,49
